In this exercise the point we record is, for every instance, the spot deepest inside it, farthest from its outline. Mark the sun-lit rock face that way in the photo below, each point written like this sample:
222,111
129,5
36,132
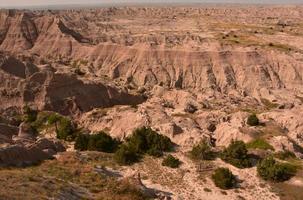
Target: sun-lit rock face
178,48
189,67
189,73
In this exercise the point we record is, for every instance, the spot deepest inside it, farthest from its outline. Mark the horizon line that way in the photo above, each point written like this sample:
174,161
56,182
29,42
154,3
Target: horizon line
172,4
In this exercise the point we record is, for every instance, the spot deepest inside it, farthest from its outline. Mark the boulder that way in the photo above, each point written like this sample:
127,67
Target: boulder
44,143
29,154
17,155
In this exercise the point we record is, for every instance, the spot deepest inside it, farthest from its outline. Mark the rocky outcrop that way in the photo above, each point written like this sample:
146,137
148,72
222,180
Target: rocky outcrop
179,60
23,154
198,75
21,147
19,33
60,92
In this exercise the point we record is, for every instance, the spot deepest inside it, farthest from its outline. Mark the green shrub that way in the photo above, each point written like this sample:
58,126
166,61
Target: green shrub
270,169
236,154
155,152
126,155
102,142
253,120
284,155
81,142
65,129
40,122
53,118
96,142
30,115
202,151
259,144
145,140
171,161
223,178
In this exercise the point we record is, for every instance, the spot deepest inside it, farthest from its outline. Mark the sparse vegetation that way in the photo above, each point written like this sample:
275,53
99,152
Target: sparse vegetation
65,129
285,155
268,104
53,118
281,47
41,120
30,115
126,155
272,170
81,142
171,161
253,120
259,144
236,154
145,140
102,142
67,177
142,141
155,152
202,151
223,178
96,142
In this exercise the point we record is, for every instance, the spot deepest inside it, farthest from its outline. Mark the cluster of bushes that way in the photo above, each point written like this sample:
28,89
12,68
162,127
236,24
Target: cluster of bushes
65,129
96,142
143,141
29,116
259,144
236,154
171,161
126,155
253,120
223,178
272,170
202,151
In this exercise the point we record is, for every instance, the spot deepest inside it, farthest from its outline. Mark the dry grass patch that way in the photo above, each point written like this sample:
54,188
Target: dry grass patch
71,172
160,174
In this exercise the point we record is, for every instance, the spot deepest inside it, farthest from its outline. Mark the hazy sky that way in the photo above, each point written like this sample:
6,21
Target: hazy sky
5,3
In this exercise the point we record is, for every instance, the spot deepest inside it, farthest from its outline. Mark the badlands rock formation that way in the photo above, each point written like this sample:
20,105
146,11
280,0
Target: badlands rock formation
187,72
22,147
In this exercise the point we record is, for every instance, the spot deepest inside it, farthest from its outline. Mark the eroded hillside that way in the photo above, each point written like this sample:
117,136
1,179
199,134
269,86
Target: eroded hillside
188,73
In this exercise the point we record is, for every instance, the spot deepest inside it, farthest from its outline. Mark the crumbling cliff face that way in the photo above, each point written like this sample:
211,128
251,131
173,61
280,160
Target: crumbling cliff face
189,60
188,73
74,62
25,84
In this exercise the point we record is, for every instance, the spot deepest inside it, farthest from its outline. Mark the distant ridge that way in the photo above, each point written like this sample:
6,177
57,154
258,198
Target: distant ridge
153,3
